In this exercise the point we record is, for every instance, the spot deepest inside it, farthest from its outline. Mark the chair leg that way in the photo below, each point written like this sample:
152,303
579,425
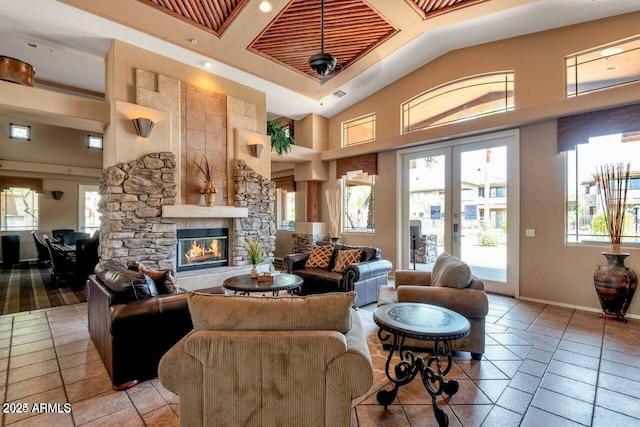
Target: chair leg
476,356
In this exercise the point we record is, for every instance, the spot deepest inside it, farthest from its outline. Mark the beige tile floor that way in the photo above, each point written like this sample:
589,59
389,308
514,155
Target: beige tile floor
543,366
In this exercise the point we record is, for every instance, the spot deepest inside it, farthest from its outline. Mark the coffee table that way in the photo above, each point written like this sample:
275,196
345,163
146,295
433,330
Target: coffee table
244,284
423,322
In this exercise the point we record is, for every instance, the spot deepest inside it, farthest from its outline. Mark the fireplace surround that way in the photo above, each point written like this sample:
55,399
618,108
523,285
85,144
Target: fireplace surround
202,248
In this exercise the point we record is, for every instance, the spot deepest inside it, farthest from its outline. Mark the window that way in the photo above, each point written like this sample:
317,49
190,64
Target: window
585,217
94,141
19,209
88,214
22,132
458,101
357,131
358,204
604,67
498,192
286,209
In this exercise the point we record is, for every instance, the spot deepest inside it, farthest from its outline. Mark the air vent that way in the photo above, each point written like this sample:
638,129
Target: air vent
339,93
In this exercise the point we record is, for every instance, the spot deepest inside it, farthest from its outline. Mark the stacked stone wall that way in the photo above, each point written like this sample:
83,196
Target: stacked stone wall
257,193
132,196
304,242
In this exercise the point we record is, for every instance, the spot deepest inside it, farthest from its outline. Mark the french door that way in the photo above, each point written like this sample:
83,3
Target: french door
462,197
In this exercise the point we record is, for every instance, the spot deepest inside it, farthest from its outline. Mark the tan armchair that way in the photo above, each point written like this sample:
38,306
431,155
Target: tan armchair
251,361
455,289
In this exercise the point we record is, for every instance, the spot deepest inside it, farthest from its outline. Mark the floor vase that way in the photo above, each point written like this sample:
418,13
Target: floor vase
615,284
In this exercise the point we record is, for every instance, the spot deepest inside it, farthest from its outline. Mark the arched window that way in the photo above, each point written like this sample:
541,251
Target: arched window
460,100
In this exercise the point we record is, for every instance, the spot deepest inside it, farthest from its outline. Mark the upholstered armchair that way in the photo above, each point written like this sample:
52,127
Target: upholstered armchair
450,285
263,361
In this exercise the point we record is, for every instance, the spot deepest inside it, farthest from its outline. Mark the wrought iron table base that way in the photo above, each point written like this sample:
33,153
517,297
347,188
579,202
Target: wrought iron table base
431,373
274,293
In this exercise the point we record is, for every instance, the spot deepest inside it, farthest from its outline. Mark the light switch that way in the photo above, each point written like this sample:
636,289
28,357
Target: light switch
530,232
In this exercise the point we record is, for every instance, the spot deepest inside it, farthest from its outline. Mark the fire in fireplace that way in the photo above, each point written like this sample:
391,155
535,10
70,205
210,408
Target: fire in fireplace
202,248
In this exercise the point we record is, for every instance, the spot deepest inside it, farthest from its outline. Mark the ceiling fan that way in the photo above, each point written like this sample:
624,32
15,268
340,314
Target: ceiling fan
322,63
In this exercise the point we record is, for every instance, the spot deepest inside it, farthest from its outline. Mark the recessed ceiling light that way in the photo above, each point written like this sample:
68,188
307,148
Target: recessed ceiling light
610,51
265,6
193,41
207,64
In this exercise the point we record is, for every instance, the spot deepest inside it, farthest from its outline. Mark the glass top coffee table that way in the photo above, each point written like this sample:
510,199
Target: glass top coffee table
423,322
244,284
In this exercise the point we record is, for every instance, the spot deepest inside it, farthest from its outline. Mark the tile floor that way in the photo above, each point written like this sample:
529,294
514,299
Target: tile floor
543,366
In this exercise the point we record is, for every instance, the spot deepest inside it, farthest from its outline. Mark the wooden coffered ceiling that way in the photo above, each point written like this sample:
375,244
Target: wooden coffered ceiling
211,15
351,29
431,8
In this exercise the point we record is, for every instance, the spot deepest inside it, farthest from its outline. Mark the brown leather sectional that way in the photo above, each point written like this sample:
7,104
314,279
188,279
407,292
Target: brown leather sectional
131,334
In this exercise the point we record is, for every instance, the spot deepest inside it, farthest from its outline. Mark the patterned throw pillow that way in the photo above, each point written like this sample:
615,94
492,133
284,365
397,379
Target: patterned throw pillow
345,258
320,256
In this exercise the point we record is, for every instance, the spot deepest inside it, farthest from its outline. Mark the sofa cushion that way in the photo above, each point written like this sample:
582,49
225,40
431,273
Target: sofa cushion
320,256
369,253
164,280
243,313
448,271
345,258
127,285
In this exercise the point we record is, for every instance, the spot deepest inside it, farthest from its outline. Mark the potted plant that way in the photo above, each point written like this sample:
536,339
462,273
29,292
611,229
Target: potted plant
333,206
208,189
615,283
281,141
254,253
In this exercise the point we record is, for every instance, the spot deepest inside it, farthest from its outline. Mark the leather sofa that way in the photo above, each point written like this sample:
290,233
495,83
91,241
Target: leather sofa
450,285
131,325
364,277
261,361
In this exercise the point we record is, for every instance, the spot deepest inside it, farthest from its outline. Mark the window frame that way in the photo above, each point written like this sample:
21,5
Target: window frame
35,204
345,127
344,206
453,87
82,190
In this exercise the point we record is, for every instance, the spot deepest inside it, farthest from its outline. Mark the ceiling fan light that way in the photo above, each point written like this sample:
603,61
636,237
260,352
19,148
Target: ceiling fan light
323,63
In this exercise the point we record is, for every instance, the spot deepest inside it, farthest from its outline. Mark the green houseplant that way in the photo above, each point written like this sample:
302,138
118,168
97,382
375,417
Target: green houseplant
254,253
281,142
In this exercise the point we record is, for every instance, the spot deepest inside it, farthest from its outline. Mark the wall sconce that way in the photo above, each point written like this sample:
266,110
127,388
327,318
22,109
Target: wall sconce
255,148
143,126
57,194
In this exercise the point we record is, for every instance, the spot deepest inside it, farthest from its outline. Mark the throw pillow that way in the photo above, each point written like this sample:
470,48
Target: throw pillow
345,258
164,280
448,271
320,256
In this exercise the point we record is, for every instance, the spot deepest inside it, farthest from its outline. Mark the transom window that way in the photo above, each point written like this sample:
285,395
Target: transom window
358,204
358,131
458,101
585,215
604,67
19,209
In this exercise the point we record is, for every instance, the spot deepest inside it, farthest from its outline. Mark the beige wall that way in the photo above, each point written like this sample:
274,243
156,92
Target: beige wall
550,270
60,157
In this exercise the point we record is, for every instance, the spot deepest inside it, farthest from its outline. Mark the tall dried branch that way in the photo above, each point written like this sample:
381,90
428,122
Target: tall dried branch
614,183
333,205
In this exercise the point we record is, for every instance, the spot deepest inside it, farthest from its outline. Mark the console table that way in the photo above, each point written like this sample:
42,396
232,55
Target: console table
422,322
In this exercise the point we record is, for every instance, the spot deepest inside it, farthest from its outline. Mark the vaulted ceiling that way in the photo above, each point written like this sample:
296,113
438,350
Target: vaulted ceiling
376,41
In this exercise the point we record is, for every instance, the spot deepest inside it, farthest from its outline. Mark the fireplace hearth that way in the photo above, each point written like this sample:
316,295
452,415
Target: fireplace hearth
202,248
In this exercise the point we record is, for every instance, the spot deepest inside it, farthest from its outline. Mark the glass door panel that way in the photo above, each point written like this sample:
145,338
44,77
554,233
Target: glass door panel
427,208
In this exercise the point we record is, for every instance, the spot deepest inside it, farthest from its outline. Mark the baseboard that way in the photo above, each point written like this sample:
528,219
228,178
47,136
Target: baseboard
575,307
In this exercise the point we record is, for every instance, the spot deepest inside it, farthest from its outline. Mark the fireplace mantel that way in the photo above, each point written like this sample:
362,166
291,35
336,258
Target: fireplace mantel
195,211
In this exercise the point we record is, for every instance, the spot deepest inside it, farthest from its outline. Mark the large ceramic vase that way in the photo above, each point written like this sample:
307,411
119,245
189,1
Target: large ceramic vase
615,284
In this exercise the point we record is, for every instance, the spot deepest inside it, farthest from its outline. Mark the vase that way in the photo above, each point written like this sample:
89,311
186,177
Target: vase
254,272
335,240
209,198
615,285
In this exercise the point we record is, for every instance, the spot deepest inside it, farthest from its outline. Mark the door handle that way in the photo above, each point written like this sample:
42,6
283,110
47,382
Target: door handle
456,233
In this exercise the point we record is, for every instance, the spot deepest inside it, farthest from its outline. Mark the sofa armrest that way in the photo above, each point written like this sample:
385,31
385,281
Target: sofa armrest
471,303
182,374
295,261
348,376
364,270
412,277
